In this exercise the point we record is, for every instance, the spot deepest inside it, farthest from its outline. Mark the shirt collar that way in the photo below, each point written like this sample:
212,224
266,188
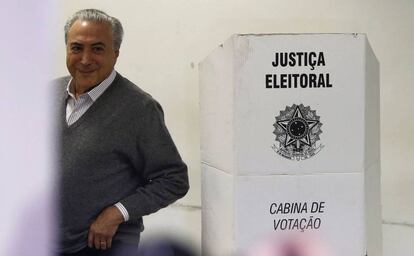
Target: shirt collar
97,90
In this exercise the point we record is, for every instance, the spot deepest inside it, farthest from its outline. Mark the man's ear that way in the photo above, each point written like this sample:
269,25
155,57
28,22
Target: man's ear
116,53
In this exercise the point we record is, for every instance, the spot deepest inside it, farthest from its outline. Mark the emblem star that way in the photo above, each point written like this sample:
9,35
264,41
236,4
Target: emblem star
297,129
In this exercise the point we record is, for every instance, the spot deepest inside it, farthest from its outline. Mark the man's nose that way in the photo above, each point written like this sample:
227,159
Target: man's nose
86,58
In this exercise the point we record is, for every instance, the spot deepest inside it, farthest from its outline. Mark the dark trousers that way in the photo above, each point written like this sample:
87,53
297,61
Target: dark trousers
117,249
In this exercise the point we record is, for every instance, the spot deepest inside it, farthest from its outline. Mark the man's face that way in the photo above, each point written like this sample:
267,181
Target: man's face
90,54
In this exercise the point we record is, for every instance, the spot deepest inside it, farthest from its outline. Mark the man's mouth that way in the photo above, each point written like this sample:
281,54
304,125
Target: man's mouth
85,71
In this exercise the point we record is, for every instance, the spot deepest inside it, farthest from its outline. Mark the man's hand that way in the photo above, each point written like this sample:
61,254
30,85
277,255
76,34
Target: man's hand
104,227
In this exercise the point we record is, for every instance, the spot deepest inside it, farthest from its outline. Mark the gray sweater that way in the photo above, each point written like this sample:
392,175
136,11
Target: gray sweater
118,151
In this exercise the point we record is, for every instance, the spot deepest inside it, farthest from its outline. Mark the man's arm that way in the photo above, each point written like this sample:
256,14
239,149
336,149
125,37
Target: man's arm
165,175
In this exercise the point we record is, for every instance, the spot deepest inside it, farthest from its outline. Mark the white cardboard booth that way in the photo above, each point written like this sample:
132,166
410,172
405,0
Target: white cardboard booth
290,145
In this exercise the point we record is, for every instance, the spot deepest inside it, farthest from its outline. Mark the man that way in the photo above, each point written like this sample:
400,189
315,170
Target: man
117,159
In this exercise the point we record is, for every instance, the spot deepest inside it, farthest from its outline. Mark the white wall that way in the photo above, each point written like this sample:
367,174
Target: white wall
164,41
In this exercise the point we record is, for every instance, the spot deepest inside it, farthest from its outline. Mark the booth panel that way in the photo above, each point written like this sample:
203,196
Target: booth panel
328,209
216,108
285,120
217,211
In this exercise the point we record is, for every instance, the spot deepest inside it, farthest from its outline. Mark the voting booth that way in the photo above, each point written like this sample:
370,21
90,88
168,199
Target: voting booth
290,145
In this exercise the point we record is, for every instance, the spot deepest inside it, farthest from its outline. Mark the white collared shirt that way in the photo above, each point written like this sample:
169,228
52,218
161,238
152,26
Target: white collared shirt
75,108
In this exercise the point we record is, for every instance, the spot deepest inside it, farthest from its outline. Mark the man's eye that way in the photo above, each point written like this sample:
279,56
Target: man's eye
75,48
98,49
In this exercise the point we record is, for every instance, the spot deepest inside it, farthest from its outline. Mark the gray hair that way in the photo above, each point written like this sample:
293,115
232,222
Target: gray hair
99,16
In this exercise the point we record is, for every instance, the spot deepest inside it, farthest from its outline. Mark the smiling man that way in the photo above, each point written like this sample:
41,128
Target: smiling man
91,54
117,160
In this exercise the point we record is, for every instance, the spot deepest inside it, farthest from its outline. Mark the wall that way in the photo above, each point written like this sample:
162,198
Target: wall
164,41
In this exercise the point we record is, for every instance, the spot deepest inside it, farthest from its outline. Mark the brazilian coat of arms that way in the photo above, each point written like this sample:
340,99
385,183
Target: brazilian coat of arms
297,130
